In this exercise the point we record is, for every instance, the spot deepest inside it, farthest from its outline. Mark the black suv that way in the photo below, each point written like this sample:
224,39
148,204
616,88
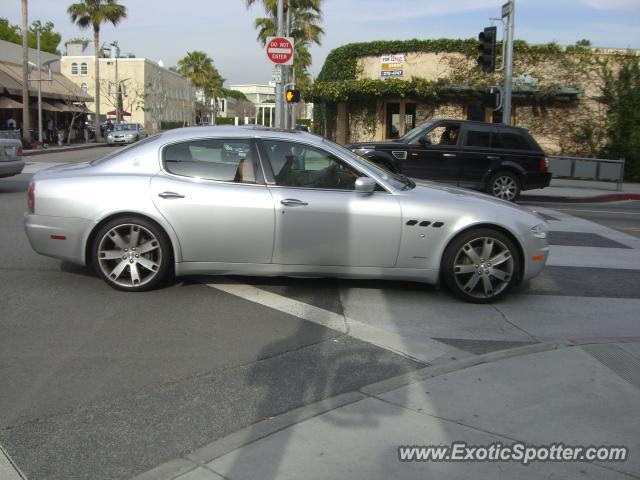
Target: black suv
491,157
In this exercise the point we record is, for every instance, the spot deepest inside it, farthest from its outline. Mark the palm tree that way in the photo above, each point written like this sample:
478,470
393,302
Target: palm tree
305,28
198,67
26,121
93,13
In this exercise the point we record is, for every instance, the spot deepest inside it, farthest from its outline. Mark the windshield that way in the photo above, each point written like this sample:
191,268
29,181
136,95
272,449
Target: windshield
396,180
412,134
125,126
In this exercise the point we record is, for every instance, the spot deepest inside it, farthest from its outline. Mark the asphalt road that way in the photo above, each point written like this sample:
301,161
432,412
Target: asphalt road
97,383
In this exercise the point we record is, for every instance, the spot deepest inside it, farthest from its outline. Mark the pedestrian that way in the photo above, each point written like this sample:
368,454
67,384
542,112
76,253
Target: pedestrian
11,123
50,131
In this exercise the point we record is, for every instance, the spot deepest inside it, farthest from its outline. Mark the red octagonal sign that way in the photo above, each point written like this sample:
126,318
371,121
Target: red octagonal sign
280,50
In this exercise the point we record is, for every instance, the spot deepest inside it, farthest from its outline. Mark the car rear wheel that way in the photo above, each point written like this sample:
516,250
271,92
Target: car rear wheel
480,266
132,254
504,185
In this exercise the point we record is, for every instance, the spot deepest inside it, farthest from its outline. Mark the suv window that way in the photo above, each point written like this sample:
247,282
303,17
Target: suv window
212,159
478,136
297,165
447,134
514,141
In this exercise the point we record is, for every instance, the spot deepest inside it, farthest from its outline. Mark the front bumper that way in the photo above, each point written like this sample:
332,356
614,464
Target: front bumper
11,167
58,237
120,141
536,254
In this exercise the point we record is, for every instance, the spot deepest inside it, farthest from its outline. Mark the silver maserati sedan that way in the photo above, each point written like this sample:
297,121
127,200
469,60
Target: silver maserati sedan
259,201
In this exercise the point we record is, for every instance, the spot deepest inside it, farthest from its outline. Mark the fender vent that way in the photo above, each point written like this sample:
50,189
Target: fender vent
399,154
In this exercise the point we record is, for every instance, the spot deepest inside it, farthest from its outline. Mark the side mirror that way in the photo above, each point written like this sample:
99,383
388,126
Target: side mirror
365,185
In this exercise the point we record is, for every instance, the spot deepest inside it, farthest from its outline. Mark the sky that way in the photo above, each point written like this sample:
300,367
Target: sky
167,29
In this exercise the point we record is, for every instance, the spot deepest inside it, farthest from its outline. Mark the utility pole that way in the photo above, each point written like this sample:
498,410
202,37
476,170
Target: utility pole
115,53
279,96
287,71
508,10
26,121
39,89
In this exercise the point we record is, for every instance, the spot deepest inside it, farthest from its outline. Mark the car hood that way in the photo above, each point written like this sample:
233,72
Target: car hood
467,199
376,145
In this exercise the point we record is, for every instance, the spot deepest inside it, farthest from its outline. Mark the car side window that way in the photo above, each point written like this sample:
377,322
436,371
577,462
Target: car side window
443,135
514,141
297,165
478,136
226,160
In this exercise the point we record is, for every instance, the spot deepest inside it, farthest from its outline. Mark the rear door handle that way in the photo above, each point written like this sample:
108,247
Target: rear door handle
170,195
493,157
449,155
293,202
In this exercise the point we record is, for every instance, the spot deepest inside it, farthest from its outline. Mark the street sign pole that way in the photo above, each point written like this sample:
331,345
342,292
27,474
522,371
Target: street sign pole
279,97
508,10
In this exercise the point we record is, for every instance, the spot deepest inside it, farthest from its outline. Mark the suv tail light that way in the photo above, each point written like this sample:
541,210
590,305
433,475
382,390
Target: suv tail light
544,164
19,152
31,197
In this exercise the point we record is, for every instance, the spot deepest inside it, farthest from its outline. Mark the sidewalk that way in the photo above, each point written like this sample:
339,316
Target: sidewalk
563,190
580,393
65,148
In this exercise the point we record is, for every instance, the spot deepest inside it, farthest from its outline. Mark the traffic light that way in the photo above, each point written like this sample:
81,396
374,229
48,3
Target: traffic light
487,48
292,95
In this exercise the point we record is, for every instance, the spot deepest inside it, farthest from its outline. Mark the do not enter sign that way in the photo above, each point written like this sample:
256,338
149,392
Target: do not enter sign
280,50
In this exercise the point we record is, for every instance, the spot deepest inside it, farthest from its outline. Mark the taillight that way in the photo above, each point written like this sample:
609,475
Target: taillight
544,164
19,152
31,197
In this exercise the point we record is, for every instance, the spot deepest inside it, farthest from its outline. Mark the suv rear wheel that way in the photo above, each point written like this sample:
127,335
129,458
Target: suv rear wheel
504,185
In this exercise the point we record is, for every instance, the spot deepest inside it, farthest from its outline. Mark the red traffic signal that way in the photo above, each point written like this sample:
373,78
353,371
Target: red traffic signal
292,96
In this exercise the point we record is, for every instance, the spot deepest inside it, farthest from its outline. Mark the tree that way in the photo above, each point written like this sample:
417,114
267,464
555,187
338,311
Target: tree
622,97
49,40
305,18
8,32
93,13
128,97
198,67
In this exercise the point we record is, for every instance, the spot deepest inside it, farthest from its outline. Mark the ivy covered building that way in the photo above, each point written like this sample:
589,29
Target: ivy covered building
380,90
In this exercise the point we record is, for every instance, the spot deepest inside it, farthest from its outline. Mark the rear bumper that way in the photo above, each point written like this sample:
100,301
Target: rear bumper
58,237
536,180
11,167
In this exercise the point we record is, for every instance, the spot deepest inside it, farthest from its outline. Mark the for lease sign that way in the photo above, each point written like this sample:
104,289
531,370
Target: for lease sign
392,65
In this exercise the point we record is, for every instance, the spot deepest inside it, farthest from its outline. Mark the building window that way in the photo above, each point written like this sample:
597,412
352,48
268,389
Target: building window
84,88
83,69
74,69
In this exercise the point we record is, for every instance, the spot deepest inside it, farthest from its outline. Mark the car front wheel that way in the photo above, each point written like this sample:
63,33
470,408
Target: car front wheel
504,185
481,265
132,254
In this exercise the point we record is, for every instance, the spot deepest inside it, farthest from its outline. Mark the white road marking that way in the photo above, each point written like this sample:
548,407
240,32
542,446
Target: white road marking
8,470
597,211
425,351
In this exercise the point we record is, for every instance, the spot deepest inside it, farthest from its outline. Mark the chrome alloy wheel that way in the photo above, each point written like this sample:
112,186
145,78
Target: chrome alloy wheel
129,255
504,187
483,267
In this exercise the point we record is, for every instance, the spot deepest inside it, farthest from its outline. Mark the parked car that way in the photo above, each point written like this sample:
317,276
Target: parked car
11,162
499,160
260,201
124,133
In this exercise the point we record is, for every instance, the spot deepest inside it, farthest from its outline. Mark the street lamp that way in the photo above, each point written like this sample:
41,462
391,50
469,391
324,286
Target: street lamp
40,80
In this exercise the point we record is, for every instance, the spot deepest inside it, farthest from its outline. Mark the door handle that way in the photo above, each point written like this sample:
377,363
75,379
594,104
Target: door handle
449,155
293,202
170,195
492,157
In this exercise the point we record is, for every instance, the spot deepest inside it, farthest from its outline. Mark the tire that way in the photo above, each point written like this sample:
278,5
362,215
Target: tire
131,253
137,138
481,265
504,185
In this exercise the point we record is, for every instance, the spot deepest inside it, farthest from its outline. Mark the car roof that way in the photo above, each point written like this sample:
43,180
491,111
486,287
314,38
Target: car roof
475,122
256,131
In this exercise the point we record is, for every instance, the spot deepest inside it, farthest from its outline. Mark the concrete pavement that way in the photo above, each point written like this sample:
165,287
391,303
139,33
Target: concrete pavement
579,393
567,190
63,148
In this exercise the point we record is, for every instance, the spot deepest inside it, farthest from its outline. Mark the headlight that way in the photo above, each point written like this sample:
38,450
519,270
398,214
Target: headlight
129,135
540,231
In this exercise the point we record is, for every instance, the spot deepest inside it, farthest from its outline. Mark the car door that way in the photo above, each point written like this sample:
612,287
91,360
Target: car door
212,193
477,155
320,219
434,155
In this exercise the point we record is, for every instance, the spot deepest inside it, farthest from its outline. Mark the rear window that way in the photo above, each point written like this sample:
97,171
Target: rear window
478,138
514,141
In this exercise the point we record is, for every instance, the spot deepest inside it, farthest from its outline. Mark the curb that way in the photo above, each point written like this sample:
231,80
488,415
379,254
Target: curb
31,153
611,197
253,433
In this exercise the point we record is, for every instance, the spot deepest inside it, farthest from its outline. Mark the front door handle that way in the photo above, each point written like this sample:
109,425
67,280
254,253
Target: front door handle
293,202
170,195
449,155
492,157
